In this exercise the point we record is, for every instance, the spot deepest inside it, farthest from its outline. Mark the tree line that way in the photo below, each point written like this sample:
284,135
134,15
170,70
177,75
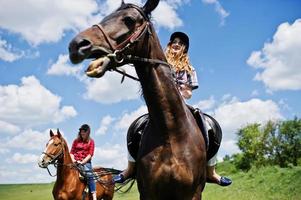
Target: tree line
273,143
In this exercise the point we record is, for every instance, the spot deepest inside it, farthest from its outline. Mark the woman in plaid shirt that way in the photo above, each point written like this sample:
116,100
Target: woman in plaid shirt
82,151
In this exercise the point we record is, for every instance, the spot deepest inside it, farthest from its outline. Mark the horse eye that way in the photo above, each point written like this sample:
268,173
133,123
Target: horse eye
56,145
129,21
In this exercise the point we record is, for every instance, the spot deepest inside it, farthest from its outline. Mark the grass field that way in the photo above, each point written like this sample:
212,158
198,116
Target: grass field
269,183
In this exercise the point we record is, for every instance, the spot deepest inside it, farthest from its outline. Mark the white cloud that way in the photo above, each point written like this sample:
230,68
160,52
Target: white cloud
111,5
235,114
228,147
18,158
63,67
7,53
206,104
3,150
24,174
64,113
104,125
280,59
9,128
165,15
255,93
29,139
108,89
128,118
46,21
111,156
31,104
219,9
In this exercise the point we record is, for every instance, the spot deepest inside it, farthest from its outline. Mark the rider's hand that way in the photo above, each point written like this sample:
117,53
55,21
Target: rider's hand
78,162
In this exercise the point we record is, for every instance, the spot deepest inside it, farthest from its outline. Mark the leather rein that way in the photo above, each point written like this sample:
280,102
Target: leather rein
118,56
54,160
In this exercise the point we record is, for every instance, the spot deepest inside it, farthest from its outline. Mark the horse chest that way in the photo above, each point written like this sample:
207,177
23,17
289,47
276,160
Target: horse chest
67,190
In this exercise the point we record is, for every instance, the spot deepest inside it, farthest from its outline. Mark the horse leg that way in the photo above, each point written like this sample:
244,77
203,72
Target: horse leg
107,197
198,193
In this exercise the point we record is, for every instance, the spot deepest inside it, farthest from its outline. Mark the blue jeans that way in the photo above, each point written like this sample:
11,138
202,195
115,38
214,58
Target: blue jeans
91,181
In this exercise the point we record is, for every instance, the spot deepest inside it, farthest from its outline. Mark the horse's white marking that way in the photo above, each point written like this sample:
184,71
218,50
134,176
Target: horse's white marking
42,155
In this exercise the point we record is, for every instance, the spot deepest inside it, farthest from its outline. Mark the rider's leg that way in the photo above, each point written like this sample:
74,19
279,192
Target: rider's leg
211,173
91,181
128,172
213,176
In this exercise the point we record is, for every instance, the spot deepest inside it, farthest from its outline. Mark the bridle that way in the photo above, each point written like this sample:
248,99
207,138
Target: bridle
118,56
54,159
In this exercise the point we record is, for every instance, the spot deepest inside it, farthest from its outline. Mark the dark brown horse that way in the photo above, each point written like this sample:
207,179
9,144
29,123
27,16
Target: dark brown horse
68,185
171,161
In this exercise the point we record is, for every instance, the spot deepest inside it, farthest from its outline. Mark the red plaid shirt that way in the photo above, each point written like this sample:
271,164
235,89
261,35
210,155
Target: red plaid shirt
81,149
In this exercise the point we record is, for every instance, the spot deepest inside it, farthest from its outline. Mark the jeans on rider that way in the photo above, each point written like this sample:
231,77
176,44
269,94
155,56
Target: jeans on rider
90,176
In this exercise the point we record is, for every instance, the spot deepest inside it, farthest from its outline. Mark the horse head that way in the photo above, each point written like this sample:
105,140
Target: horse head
54,150
118,34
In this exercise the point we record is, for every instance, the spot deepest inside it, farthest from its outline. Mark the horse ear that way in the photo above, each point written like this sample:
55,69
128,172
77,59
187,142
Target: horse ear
122,2
150,5
51,133
59,133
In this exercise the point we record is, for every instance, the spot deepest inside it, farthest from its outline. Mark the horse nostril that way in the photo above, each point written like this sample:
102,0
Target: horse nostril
84,43
79,44
79,48
84,46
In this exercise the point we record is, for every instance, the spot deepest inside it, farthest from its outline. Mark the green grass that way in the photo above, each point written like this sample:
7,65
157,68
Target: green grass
267,183
26,191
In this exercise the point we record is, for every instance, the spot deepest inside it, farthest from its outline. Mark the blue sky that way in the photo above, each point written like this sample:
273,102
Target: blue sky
246,53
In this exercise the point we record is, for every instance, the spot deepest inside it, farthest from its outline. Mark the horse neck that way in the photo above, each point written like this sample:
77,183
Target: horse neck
165,104
64,167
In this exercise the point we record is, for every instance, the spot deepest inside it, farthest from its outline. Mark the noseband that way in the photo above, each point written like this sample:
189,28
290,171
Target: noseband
118,55
138,33
54,159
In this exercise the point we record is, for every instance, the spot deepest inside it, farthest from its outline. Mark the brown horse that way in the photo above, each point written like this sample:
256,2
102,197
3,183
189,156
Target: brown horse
68,185
171,161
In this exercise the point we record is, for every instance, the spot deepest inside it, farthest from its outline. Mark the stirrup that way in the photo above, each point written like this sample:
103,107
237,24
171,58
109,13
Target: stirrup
81,177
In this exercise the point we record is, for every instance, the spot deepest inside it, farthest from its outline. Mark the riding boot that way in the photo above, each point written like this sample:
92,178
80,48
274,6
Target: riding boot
94,196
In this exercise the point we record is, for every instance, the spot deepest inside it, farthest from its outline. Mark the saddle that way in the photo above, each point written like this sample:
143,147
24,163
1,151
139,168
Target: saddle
83,174
210,129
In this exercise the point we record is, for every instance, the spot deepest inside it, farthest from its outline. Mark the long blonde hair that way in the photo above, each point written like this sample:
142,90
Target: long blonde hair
178,61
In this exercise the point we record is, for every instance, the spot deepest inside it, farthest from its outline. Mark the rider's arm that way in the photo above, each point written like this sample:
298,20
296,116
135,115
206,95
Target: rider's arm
86,159
73,151
72,157
90,153
193,80
186,91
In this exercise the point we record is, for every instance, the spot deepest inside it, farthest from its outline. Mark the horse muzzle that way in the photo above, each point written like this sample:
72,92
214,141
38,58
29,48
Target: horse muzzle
43,164
79,49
